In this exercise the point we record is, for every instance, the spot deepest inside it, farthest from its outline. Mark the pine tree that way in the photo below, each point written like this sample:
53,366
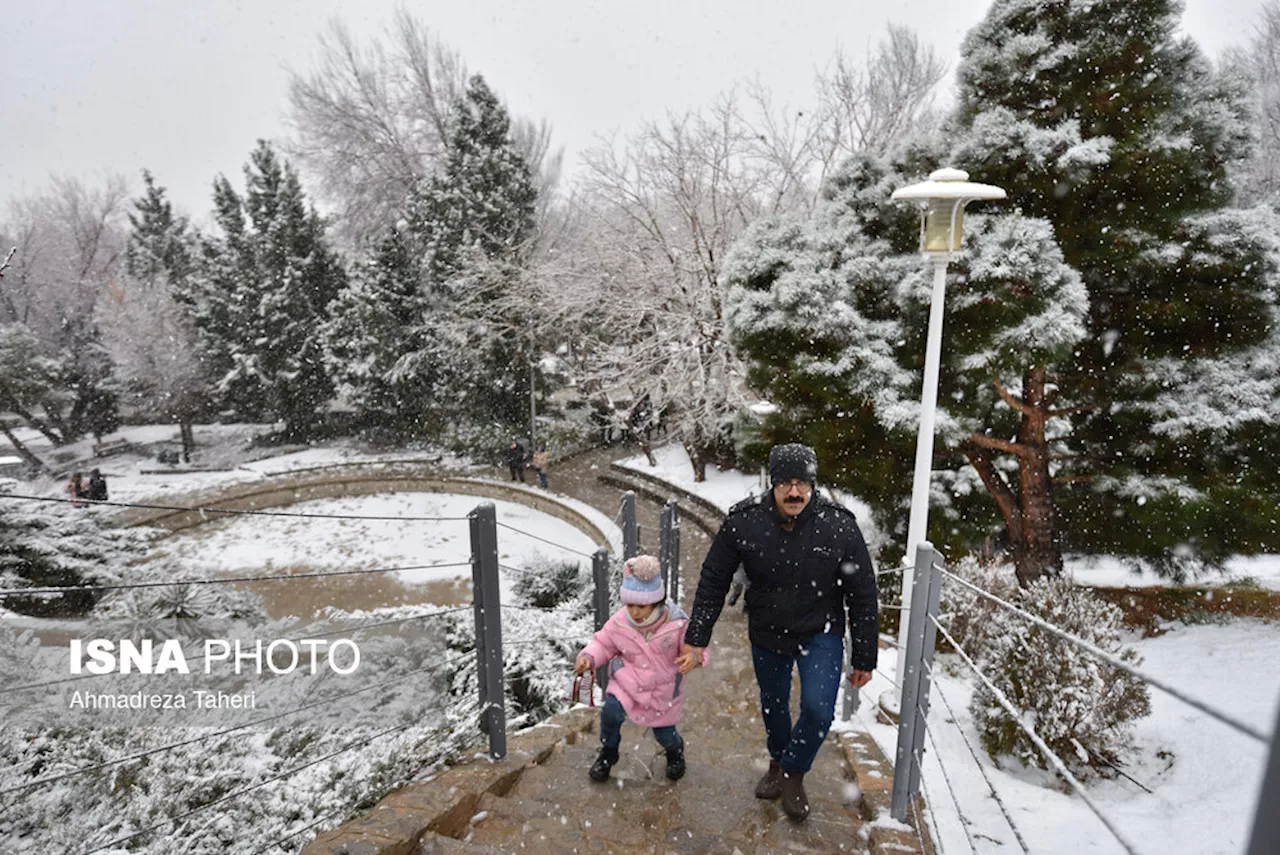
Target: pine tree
146,316
1100,119
383,358
160,246
1110,274
474,222
264,294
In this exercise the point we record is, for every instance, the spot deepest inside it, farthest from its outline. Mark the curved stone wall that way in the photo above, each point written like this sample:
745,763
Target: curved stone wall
345,481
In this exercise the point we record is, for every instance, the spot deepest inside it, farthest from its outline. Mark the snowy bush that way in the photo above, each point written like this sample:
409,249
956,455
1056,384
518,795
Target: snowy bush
54,545
549,584
1081,707
539,642
966,614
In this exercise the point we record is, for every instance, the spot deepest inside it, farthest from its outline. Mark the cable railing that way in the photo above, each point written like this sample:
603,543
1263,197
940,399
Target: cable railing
1113,661
257,722
487,653
918,682
1018,719
533,536
194,648
244,791
219,580
205,510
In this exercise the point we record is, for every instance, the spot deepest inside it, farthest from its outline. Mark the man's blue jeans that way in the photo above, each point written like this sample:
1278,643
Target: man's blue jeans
612,715
820,664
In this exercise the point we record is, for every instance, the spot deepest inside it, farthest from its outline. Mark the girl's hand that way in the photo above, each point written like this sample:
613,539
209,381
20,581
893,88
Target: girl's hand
582,666
690,657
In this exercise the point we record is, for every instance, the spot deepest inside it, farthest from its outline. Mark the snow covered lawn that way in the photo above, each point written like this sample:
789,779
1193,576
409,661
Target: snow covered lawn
264,544
1204,776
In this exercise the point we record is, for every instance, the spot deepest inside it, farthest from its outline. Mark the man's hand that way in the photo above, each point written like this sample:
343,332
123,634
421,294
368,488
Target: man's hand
690,657
858,679
582,666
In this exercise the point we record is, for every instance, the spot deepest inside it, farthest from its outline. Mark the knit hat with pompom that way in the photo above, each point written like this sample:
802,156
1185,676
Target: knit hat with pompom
642,581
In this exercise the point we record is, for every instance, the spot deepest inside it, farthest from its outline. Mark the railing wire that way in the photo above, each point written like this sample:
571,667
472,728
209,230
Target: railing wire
1115,661
1054,759
79,502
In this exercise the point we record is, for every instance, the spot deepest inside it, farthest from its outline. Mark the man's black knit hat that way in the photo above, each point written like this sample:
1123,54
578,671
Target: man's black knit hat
792,461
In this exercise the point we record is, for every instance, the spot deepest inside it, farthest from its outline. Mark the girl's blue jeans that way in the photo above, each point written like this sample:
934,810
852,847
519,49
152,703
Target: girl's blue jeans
612,715
819,662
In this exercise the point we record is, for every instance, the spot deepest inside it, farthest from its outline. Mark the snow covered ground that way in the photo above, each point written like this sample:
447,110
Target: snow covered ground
1204,777
253,545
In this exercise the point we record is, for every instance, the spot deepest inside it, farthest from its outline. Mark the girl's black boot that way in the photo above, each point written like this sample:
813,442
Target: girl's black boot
604,764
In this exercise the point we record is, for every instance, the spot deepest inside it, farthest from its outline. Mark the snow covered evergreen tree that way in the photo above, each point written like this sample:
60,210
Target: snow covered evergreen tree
144,316
262,297
1114,270
44,545
473,223
1102,120
385,358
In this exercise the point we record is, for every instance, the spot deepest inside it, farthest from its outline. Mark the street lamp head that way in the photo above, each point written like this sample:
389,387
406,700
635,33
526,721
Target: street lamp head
943,198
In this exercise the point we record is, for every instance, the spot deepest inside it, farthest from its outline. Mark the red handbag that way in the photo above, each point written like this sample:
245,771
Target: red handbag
576,696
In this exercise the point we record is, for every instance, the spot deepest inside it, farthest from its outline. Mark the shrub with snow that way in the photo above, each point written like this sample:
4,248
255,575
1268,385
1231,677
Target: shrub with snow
55,545
1080,706
966,614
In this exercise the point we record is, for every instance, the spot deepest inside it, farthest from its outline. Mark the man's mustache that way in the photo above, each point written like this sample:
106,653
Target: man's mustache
794,500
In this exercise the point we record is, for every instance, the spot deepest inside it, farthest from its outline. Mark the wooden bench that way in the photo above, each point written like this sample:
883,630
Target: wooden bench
115,446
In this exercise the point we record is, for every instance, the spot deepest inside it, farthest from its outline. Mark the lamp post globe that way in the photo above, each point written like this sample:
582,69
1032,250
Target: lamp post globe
942,200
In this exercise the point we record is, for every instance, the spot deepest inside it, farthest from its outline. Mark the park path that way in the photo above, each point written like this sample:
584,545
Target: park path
555,807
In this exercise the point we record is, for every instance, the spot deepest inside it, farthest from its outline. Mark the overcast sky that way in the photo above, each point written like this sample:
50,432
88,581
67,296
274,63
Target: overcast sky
185,88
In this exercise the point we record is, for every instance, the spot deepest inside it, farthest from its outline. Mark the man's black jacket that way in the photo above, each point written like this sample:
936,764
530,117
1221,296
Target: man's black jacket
802,580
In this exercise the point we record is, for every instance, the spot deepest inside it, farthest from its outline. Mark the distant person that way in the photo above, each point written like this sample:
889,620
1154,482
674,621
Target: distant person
516,460
77,490
644,635
97,486
806,566
541,460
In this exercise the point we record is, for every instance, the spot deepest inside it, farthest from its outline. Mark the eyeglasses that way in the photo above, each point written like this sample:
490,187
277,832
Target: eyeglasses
793,484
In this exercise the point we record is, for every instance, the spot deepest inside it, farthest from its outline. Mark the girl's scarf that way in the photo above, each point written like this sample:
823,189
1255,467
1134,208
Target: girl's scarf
654,617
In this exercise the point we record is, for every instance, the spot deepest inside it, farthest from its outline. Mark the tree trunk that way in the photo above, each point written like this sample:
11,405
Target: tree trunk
1038,552
24,452
1028,513
38,424
698,461
188,438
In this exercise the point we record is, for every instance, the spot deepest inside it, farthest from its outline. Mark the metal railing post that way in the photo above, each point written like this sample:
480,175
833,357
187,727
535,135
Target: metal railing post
488,613
910,680
932,605
1265,838
851,695
600,598
669,549
630,531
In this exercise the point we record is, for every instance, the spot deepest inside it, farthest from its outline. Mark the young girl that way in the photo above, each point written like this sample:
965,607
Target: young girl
641,642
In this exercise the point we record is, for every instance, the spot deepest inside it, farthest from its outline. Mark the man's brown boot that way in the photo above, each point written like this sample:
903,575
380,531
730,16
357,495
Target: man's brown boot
795,804
770,786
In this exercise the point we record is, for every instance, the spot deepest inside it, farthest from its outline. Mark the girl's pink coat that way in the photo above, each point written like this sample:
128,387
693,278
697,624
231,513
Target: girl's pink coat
646,680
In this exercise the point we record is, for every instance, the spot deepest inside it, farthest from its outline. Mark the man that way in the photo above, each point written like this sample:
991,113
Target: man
97,486
807,564
516,460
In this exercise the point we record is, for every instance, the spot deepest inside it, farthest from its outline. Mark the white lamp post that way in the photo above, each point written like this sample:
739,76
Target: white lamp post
942,199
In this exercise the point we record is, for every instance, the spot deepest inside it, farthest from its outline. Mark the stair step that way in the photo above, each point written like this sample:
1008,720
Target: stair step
541,827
